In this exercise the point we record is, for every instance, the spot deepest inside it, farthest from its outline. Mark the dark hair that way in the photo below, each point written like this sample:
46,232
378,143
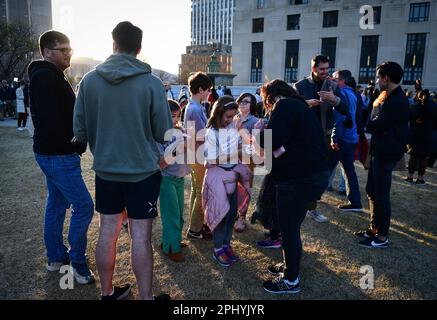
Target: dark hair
214,95
222,105
391,69
50,39
346,75
174,106
128,37
227,92
253,107
277,88
318,60
199,81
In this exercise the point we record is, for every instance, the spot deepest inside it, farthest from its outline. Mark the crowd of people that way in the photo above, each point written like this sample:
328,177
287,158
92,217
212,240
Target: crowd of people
124,114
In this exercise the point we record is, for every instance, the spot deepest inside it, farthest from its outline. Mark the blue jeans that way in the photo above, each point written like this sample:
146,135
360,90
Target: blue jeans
293,198
66,189
346,156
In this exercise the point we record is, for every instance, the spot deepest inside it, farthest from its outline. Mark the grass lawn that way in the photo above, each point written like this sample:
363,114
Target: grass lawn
330,265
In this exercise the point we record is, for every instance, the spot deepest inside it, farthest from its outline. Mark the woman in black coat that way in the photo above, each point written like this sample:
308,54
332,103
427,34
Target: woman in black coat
422,120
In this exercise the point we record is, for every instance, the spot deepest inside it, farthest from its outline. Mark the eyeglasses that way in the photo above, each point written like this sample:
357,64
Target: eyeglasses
244,102
65,51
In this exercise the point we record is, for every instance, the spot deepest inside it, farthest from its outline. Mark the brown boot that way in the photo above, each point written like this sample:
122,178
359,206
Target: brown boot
177,257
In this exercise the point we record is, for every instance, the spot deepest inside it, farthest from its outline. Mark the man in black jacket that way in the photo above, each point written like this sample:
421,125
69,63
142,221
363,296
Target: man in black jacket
389,128
52,101
323,96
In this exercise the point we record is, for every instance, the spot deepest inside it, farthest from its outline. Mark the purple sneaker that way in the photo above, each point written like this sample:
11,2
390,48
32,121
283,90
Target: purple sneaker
222,258
231,254
268,243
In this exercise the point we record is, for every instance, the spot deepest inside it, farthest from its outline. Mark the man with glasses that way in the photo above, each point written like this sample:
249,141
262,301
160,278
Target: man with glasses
52,102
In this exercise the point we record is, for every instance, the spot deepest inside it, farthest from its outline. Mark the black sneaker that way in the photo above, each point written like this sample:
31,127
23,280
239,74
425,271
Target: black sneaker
276,269
120,293
281,285
194,235
420,182
350,208
374,243
364,234
162,297
409,180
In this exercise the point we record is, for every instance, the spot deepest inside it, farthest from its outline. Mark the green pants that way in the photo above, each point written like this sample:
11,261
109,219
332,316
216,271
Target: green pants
171,201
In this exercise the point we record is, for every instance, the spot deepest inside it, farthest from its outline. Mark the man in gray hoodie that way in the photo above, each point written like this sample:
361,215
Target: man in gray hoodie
122,111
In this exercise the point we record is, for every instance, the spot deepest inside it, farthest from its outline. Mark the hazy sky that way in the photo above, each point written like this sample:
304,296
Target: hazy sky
165,23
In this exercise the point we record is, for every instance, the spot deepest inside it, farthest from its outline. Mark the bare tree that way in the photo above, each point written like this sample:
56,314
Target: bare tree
163,75
17,47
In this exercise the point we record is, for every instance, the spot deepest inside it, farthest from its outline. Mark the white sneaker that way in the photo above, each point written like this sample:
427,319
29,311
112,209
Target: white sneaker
56,266
317,216
20,129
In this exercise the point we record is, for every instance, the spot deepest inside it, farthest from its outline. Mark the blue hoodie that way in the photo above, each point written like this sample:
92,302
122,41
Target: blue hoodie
340,132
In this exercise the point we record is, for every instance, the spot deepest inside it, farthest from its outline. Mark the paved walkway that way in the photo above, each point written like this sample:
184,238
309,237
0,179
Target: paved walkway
8,123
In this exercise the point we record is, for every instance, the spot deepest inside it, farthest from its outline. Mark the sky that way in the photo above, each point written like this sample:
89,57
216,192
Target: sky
166,26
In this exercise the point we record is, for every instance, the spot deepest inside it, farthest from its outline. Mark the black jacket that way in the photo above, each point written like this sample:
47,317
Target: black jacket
51,102
422,122
295,127
309,89
389,127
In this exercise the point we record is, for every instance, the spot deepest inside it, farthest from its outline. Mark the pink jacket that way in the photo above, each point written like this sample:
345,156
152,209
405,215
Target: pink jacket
217,185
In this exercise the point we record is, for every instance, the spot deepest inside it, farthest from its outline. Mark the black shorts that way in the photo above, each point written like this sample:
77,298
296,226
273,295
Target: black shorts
139,199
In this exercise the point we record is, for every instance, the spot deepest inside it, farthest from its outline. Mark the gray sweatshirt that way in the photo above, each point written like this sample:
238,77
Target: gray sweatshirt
122,111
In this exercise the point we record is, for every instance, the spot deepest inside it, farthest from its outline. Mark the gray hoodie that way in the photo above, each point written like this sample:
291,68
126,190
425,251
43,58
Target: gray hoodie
122,111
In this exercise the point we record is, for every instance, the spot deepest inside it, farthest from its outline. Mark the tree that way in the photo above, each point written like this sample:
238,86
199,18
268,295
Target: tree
17,46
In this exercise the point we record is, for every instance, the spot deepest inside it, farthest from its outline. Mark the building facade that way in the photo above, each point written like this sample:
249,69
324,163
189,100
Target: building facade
37,14
197,58
276,39
211,20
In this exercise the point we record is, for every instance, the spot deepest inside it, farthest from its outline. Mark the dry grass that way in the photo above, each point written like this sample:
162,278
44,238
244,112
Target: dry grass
330,264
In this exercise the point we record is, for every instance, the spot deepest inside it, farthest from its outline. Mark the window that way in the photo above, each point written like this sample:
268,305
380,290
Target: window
419,12
260,4
293,22
256,62
414,57
329,49
299,1
330,19
377,15
291,60
369,55
258,25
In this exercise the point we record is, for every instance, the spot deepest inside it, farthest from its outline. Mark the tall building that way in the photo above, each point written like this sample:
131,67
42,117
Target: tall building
276,39
211,34
211,20
37,14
